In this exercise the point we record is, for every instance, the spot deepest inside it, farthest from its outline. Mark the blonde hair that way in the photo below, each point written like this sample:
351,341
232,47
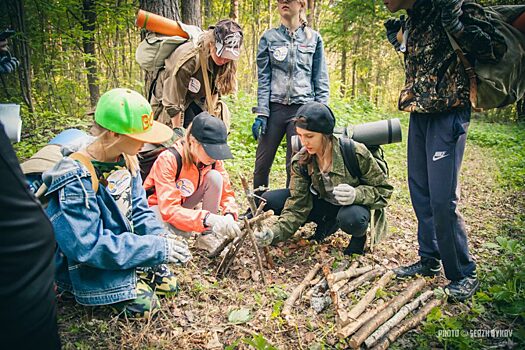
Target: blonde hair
226,81
187,158
302,13
102,134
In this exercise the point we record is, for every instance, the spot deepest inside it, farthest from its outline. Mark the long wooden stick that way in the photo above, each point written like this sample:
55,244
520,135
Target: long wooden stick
351,286
254,243
397,318
287,307
350,328
407,325
369,296
352,272
368,328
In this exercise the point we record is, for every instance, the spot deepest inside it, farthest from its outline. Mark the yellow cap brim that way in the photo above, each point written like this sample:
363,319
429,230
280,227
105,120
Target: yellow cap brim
158,133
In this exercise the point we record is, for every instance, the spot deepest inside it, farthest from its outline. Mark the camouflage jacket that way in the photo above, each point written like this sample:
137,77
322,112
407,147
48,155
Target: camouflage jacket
373,191
435,80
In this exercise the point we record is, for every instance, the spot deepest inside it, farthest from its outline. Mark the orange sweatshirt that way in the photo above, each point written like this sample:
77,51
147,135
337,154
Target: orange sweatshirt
170,193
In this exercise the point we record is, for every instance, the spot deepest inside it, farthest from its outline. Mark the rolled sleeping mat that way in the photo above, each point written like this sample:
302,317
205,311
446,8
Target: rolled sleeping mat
159,24
381,132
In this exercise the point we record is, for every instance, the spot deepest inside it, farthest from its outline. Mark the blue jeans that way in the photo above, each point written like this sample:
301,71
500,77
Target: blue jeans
436,143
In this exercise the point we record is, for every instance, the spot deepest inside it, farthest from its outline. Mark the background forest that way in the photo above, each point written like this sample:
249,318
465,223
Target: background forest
72,51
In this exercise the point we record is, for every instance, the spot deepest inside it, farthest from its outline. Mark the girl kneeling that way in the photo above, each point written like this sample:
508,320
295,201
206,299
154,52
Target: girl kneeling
103,226
322,189
190,173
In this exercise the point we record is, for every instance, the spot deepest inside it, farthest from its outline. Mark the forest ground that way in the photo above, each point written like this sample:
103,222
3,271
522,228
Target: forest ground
492,203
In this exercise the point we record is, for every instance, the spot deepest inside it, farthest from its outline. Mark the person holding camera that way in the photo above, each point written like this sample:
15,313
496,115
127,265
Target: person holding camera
322,190
291,71
27,298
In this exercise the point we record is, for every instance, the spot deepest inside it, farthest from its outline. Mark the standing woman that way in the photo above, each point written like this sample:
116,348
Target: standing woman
292,71
322,190
180,90
103,226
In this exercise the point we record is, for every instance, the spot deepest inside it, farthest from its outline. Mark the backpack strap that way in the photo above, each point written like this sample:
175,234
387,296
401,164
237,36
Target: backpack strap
347,146
87,163
469,69
207,88
179,161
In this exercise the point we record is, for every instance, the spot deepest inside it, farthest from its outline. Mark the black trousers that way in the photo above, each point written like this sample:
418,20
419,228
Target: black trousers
352,219
27,244
280,122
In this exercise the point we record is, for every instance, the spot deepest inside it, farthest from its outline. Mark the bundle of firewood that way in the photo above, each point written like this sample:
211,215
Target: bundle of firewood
383,322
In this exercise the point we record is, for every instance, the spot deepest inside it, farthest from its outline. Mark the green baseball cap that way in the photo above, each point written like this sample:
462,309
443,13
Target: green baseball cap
127,112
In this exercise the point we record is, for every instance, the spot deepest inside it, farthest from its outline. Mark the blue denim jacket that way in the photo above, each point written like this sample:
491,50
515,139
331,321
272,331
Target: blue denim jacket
98,250
291,68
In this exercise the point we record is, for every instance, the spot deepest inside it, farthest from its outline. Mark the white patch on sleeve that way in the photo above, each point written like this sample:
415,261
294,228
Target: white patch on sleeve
185,187
195,85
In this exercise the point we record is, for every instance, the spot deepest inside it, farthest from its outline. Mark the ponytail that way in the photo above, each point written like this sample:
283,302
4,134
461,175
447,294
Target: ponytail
304,20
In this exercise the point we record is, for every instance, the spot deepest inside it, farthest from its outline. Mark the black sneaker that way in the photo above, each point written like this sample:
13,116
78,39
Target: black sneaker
424,267
356,246
462,289
323,230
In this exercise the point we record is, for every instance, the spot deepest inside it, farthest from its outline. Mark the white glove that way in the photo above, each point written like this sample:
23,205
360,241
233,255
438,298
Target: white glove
178,251
224,225
344,194
264,238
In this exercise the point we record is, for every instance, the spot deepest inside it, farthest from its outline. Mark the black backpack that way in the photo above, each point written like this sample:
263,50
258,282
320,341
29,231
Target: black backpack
347,146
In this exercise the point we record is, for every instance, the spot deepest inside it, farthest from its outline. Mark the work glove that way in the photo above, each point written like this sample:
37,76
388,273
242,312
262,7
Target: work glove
450,13
224,226
259,126
264,237
178,251
344,194
393,25
8,63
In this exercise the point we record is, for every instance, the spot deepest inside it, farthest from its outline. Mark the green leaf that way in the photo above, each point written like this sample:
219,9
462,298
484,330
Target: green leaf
239,316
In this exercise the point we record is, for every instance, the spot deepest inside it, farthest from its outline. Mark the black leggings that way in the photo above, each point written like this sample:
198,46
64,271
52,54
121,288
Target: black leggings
352,219
280,122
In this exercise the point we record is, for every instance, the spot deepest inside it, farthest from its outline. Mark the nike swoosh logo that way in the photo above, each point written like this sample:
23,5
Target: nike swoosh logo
439,156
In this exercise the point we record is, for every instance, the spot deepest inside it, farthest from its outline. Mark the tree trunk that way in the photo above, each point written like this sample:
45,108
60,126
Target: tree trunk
191,12
234,10
88,44
520,110
344,57
270,2
207,8
165,8
21,50
310,12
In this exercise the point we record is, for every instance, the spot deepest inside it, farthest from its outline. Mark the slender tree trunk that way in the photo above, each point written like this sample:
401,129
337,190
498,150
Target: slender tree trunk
191,12
234,10
165,8
207,8
520,110
88,43
21,50
344,54
270,9
311,13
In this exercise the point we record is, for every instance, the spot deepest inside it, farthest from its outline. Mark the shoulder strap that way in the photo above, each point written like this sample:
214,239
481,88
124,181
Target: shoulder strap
204,68
347,146
179,161
469,69
87,163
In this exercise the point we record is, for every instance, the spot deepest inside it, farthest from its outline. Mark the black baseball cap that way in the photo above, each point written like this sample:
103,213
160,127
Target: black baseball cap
318,117
212,135
228,39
